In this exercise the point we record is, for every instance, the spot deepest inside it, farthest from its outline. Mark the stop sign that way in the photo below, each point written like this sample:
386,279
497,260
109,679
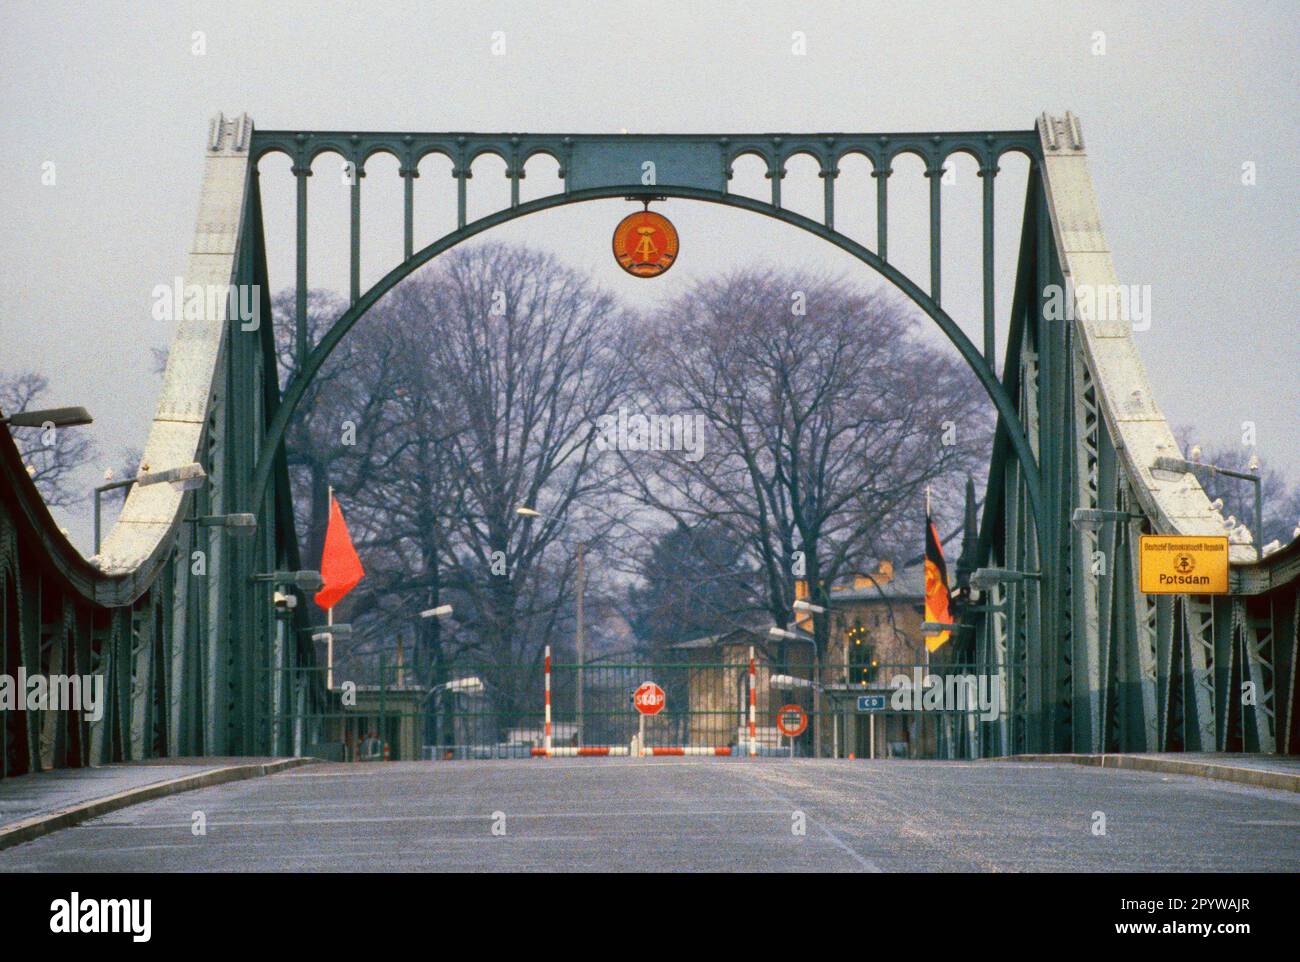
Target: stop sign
649,698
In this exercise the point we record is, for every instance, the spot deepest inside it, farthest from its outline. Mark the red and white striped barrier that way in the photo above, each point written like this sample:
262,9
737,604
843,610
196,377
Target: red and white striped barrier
753,725
600,751
547,740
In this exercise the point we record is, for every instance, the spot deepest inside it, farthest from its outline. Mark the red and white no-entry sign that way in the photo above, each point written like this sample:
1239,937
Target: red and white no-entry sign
649,698
792,720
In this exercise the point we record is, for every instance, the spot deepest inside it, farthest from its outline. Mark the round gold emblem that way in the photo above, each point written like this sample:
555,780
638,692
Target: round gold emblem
645,244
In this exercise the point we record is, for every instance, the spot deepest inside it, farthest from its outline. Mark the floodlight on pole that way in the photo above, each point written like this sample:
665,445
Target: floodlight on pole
187,477
442,611
241,524
802,605
790,681
306,580
49,417
326,632
1090,519
472,685
983,578
1203,472
1181,466
776,632
939,627
527,512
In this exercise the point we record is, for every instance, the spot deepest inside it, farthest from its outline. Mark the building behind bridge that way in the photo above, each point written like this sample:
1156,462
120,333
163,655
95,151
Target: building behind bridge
875,633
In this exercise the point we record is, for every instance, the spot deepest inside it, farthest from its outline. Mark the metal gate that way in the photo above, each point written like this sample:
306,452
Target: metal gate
722,708
705,710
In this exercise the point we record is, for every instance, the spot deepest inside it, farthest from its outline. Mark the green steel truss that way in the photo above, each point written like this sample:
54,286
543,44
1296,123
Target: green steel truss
202,663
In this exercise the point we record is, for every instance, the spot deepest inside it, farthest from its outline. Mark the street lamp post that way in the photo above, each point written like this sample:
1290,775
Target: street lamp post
54,418
241,524
802,604
285,602
112,485
187,477
340,629
435,730
938,627
327,633
581,639
782,633
1198,468
580,626
472,685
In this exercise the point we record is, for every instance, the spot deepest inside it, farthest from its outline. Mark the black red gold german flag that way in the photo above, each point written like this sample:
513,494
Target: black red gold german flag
938,601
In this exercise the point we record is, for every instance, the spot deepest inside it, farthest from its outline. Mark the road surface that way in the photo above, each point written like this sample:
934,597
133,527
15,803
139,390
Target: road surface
705,814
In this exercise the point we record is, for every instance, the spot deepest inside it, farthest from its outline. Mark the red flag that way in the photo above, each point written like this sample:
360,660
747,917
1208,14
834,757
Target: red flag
938,607
340,568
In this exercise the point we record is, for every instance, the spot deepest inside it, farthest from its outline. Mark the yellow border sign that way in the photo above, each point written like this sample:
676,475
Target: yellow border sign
1183,565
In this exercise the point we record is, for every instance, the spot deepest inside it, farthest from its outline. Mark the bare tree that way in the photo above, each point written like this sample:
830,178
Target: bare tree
367,426
468,392
409,498
526,354
52,455
827,418
693,582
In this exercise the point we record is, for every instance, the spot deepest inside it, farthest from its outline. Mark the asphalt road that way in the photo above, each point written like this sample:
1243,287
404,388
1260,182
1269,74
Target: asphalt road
691,815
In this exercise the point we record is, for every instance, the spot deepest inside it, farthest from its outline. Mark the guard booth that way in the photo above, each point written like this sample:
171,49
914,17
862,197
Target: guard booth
352,721
386,724
865,721
864,726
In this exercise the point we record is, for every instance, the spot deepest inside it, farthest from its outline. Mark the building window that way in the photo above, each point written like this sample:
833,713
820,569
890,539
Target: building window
862,655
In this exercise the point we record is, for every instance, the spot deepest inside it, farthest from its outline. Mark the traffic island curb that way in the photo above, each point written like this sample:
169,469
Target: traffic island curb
35,826
1241,775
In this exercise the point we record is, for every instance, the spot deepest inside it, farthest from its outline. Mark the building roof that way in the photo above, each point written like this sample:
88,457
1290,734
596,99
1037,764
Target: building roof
736,635
907,584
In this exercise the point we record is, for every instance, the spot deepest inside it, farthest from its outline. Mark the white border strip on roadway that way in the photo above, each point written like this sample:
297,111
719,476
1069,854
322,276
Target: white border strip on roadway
26,829
1241,774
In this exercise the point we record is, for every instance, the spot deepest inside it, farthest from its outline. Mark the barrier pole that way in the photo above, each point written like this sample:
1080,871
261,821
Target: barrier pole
753,727
546,741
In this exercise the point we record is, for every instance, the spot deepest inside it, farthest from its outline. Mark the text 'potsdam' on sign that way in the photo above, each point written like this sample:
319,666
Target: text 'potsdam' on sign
1183,564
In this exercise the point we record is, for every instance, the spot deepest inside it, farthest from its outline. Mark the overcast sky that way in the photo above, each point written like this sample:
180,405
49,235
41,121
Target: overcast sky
1183,95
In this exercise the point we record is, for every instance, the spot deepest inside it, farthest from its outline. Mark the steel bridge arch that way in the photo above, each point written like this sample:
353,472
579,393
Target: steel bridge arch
1007,413
1087,660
